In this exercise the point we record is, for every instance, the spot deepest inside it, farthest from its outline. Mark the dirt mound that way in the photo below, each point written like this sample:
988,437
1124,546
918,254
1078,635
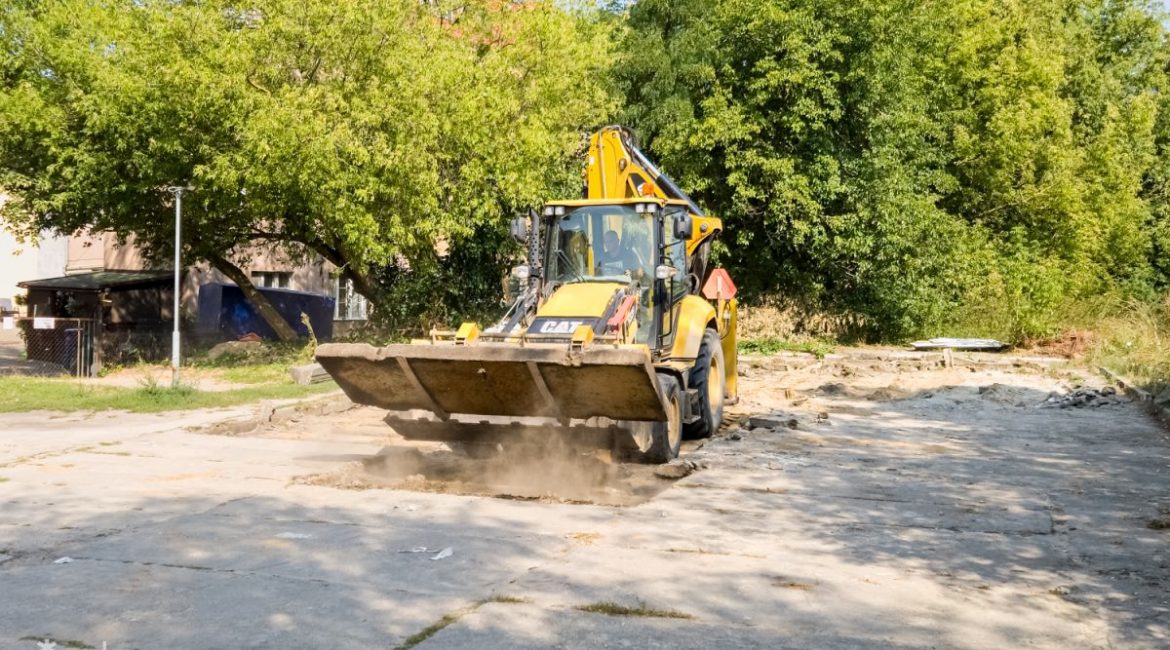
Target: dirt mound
890,394
833,389
1085,397
1004,394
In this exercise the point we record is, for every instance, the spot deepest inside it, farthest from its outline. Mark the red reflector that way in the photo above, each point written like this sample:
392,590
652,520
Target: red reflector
719,285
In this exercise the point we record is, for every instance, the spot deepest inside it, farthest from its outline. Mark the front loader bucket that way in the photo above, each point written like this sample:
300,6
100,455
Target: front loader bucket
499,379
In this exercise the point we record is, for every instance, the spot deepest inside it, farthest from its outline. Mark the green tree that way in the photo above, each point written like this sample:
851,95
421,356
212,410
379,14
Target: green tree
959,165
366,132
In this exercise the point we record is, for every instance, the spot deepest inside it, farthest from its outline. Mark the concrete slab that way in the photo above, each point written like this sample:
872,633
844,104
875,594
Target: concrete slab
497,626
908,509
133,605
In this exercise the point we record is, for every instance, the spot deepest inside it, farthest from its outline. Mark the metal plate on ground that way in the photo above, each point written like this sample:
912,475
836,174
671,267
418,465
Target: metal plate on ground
958,344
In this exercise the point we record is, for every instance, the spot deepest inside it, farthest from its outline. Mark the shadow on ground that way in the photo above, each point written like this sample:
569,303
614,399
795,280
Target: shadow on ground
947,517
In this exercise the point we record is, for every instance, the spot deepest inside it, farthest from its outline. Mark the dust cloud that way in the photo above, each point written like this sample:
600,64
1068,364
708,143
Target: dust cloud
801,397
545,470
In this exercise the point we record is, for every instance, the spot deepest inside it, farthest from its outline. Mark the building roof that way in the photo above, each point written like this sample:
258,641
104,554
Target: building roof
98,280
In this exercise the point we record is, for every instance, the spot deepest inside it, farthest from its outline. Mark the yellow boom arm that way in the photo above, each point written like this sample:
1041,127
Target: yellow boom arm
617,169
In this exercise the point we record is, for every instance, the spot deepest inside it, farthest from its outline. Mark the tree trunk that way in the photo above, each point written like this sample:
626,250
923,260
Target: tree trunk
361,281
267,311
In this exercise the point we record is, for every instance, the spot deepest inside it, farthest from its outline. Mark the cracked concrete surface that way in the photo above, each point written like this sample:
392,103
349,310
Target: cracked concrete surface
912,506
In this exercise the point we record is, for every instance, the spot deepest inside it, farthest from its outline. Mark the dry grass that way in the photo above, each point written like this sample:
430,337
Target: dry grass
766,322
614,609
773,327
1128,337
436,627
787,320
1133,341
429,631
780,581
1072,343
506,599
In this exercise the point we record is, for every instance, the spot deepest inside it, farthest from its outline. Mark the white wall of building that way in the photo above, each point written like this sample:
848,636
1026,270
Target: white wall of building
28,260
52,256
18,262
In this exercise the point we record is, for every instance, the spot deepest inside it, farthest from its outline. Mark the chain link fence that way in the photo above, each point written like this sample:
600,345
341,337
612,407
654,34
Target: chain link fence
55,346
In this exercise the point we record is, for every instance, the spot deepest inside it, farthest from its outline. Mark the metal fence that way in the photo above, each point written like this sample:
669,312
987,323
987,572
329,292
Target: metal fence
56,345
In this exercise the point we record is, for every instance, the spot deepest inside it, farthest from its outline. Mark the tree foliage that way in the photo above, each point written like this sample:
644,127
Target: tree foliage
366,131
952,166
929,165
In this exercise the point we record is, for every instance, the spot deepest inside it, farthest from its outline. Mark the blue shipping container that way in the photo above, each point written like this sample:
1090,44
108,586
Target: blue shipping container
224,312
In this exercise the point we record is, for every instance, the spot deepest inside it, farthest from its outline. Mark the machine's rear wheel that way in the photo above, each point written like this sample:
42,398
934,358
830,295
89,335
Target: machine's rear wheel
666,437
707,377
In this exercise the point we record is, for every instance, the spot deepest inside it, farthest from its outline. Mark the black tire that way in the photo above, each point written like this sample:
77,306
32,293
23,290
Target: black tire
666,437
708,379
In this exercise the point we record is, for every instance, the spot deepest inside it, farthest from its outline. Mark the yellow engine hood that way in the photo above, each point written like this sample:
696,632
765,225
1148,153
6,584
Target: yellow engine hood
582,299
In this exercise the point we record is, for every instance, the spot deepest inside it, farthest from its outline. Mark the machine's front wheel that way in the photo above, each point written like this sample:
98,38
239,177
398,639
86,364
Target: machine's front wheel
707,377
666,437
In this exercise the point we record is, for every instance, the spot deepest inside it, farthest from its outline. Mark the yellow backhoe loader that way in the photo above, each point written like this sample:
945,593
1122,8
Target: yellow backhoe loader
622,334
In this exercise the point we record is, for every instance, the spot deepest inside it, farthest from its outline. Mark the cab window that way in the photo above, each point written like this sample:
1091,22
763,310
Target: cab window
600,243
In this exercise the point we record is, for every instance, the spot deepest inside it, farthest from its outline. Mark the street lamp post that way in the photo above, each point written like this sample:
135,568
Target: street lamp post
175,336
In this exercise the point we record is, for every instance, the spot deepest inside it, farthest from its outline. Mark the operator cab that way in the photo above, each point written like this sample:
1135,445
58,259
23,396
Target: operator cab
600,243
638,243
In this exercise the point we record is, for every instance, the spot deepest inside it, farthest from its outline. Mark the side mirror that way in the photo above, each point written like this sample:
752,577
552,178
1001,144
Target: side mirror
519,229
664,272
683,226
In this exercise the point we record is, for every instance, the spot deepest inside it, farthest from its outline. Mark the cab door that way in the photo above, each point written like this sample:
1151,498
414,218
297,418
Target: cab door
670,291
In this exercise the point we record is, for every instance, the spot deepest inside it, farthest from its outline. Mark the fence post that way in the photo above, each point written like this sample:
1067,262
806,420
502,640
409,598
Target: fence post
96,345
79,349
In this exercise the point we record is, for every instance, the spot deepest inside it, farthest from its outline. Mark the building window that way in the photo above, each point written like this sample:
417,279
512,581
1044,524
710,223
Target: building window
271,279
350,304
